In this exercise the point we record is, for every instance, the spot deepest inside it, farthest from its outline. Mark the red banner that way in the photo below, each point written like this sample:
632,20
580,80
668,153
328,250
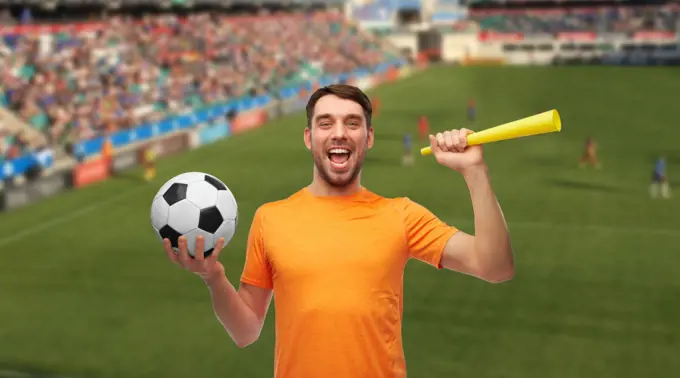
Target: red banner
90,172
654,35
495,36
577,36
248,120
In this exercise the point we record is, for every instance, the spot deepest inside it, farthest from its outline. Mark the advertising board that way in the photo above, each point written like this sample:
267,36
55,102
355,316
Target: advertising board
124,160
34,190
248,121
90,172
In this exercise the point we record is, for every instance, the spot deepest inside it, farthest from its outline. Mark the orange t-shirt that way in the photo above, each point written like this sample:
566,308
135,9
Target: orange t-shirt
336,265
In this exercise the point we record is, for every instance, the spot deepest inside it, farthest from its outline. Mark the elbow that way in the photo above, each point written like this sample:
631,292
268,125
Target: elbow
501,276
245,341
502,272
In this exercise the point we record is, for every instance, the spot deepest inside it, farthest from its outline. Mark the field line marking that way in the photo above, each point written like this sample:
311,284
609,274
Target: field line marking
67,217
580,227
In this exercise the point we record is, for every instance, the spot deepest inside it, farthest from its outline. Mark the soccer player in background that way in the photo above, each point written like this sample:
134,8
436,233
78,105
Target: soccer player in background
149,161
334,252
589,156
471,110
408,151
660,185
376,106
423,127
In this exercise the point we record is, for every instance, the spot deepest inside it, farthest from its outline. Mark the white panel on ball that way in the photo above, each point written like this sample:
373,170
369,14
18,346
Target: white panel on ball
183,216
159,213
202,194
208,241
226,204
189,177
158,234
226,231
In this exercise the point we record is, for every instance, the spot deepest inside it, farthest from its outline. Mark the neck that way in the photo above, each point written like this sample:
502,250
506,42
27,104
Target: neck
319,187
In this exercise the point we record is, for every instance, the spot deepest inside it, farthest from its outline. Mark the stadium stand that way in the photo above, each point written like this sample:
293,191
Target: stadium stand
662,18
76,82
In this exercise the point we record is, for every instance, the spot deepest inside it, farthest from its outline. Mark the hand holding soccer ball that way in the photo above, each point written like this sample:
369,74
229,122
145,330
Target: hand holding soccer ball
207,268
195,215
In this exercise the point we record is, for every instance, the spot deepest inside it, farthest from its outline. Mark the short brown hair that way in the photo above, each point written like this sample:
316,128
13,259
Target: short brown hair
344,91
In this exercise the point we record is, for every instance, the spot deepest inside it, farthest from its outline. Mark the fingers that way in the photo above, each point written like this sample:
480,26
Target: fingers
167,246
434,144
462,138
183,252
218,248
450,141
199,248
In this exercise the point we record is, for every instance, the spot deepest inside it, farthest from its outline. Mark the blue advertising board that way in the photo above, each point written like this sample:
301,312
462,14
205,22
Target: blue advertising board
23,164
182,122
213,131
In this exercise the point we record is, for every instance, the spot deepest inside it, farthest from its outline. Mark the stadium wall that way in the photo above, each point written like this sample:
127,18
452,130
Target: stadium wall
180,134
644,48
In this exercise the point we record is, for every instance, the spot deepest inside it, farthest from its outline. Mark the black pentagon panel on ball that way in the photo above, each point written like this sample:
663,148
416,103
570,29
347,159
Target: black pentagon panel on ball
208,252
214,182
210,219
169,233
175,193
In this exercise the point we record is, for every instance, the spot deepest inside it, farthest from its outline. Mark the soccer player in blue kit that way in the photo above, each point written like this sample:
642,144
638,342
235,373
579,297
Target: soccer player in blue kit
659,185
408,151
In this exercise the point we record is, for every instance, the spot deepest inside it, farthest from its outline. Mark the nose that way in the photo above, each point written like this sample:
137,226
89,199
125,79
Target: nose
339,131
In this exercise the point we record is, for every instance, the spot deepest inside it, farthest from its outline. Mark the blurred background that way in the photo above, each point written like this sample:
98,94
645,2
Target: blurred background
88,87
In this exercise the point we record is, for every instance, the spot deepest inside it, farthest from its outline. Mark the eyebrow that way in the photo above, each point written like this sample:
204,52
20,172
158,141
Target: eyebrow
328,116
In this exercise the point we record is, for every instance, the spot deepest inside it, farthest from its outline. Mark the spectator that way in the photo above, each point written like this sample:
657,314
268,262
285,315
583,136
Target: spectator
74,85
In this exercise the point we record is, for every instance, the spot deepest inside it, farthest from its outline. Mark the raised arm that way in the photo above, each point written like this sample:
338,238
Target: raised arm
487,255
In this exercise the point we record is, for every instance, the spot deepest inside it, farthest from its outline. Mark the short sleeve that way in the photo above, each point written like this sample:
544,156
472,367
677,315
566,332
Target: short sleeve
426,234
257,270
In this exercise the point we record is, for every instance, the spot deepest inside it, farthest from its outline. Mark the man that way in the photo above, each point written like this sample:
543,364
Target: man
407,159
471,110
423,127
334,252
589,156
149,155
659,185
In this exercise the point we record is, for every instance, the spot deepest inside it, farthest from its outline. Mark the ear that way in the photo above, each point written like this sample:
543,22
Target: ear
308,138
370,138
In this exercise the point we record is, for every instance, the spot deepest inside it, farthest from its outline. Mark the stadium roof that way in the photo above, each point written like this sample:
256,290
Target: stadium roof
167,3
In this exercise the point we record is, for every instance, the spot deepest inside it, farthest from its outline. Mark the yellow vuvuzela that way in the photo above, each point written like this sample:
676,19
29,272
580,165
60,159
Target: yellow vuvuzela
546,122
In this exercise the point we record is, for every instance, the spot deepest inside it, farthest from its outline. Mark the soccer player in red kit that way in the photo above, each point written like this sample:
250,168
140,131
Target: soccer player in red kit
423,127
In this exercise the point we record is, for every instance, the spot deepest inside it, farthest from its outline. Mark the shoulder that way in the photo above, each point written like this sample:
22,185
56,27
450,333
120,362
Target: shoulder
274,208
397,205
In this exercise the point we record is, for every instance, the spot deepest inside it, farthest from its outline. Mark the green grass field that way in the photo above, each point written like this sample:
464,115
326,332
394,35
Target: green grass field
86,290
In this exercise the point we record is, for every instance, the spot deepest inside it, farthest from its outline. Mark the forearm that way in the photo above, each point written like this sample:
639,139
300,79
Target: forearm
492,239
237,318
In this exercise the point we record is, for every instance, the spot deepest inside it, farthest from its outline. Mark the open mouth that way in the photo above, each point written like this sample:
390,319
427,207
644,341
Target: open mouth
339,157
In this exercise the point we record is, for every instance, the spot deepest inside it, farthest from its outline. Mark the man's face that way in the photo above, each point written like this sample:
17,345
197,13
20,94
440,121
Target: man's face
338,138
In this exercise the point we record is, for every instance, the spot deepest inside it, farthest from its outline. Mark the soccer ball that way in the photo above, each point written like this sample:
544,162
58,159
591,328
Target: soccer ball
193,204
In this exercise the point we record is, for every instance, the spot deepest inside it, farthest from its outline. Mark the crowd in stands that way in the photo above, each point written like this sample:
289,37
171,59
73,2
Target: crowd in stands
602,20
82,82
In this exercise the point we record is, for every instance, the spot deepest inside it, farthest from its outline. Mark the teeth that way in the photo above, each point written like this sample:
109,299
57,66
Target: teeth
338,151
